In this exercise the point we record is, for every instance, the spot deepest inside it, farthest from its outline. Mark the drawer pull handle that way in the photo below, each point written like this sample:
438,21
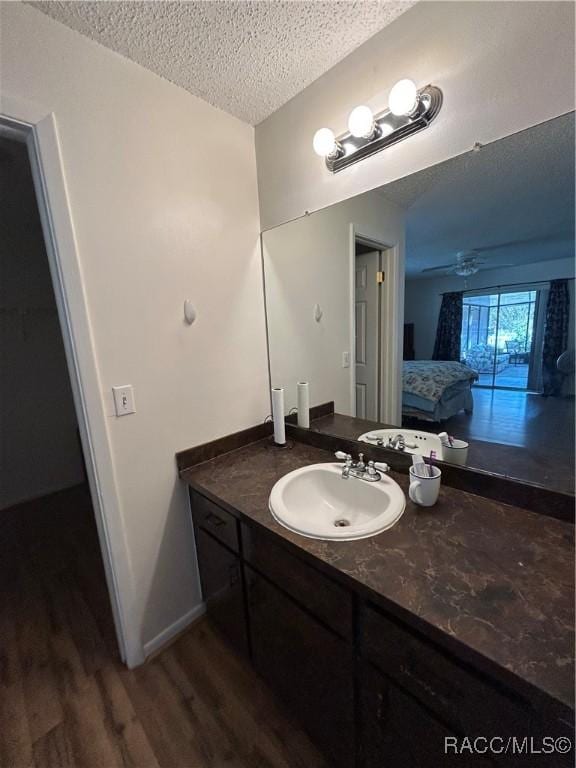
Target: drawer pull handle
214,519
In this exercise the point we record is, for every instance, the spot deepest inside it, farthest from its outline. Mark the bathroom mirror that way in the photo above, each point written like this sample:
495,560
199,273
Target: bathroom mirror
440,304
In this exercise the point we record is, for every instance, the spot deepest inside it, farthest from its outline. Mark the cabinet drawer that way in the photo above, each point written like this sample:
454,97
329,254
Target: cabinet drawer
212,518
454,693
328,601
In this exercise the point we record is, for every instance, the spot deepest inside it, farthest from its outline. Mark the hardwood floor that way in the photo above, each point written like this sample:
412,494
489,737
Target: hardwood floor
66,700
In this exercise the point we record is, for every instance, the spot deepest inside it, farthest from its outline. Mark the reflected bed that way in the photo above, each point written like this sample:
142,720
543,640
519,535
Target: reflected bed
434,390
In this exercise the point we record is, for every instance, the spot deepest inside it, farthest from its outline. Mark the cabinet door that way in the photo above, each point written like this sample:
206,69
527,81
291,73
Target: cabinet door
328,601
307,665
222,589
456,694
396,731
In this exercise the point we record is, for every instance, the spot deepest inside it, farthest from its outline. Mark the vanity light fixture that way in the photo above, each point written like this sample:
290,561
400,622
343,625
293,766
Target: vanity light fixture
409,111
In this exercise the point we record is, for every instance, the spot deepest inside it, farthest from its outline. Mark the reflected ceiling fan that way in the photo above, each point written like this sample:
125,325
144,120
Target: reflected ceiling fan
467,263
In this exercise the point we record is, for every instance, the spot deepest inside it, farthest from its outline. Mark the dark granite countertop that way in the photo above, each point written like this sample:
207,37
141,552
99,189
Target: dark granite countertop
490,578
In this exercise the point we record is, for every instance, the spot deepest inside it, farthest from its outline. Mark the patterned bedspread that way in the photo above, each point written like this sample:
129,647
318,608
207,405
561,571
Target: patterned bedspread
430,378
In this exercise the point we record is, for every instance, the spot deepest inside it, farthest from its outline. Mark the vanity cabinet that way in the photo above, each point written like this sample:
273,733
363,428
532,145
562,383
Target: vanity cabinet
309,667
371,691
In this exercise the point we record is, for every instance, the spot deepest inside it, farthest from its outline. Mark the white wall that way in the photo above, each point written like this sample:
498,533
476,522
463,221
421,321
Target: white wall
307,262
502,67
423,297
39,445
163,194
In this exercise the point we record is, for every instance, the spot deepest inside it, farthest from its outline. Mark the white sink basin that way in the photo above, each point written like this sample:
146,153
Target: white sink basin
317,502
416,441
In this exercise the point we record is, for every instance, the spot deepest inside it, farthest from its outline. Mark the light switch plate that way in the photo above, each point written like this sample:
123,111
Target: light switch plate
345,359
124,400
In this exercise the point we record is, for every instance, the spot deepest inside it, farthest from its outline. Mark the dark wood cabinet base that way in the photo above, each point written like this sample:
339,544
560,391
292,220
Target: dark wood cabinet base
370,691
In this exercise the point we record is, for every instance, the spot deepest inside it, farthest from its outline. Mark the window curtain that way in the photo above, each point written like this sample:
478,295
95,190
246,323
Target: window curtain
535,366
448,333
555,336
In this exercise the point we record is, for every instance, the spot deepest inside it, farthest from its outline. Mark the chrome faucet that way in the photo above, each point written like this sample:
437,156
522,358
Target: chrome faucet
398,442
359,469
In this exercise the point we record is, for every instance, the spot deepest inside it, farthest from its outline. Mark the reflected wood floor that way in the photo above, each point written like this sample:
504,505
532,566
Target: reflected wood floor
525,435
518,418
518,434
66,700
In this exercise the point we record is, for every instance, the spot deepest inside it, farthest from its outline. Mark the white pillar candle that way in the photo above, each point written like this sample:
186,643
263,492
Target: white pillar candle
303,404
278,415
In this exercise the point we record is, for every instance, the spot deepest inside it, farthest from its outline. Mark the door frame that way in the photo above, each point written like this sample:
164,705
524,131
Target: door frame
38,129
391,326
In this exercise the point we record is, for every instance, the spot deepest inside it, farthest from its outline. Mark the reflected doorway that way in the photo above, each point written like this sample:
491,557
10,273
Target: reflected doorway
368,279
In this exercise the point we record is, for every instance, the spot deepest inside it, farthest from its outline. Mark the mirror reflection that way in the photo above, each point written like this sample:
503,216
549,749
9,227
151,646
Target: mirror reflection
436,313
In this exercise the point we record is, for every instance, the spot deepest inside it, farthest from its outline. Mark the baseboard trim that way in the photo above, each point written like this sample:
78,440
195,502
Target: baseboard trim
168,635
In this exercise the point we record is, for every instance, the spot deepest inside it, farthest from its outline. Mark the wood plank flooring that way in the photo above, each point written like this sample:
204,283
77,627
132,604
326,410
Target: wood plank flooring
66,700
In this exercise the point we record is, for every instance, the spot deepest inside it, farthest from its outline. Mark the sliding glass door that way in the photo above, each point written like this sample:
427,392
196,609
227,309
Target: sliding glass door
497,337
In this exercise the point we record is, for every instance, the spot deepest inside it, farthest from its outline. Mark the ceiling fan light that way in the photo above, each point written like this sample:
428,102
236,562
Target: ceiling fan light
465,270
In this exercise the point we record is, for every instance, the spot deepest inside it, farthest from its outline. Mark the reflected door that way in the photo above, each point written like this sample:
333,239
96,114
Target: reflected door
366,316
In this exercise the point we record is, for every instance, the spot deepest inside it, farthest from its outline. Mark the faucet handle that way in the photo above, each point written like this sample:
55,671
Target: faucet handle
341,456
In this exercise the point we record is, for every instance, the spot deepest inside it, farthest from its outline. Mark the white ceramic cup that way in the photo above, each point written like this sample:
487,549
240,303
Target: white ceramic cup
457,453
424,490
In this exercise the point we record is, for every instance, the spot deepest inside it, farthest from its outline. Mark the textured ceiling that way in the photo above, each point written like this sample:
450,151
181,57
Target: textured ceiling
516,193
247,57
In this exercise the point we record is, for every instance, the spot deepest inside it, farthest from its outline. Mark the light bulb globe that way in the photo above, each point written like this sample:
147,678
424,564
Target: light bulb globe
403,98
361,122
324,142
